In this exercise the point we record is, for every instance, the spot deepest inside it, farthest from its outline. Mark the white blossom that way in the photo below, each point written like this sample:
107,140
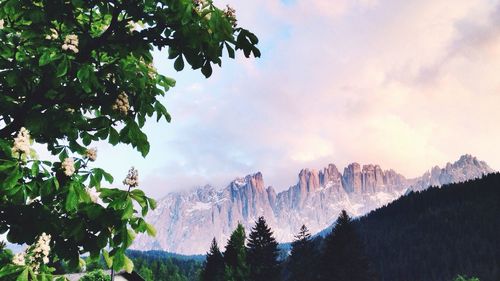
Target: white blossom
93,194
132,179
36,254
22,142
53,35
71,43
91,154
68,165
121,104
19,259
230,14
2,24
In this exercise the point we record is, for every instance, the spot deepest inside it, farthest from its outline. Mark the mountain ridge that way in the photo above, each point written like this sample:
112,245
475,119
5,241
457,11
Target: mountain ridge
186,221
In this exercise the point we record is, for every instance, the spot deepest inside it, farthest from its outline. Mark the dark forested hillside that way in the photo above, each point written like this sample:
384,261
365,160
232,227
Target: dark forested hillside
438,233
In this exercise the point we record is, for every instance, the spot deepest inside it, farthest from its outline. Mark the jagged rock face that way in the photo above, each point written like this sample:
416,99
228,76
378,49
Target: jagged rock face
370,179
186,222
466,168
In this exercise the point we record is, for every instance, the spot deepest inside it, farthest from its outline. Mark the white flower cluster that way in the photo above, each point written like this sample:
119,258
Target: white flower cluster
53,35
41,250
91,154
121,104
22,142
93,194
230,14
19,259
35,254
68,165
2,24
39,253
71,43
132,179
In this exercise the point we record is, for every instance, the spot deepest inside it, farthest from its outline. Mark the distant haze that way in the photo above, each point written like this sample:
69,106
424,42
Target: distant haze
404,84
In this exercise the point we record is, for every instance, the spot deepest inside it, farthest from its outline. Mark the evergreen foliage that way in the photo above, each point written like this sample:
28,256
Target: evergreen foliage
158,267
263,253
213,268
343,257
302,260
235,257
438,233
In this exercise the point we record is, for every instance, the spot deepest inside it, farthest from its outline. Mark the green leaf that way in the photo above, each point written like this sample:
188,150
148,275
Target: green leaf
230,51
7,164
128,264
9,269
71,199
118,259
152,203
48,57
150,230
114,137
128,211
62,68
179,63
207,69
23,276
107,258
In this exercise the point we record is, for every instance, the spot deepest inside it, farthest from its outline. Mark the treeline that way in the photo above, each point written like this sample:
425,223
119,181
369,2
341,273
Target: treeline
340,256
161,266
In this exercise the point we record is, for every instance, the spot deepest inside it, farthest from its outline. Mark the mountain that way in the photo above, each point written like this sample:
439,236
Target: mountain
186,221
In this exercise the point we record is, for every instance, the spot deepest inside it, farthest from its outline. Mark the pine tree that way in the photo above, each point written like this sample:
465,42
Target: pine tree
343,256
301,263
213,268
263,253
235,257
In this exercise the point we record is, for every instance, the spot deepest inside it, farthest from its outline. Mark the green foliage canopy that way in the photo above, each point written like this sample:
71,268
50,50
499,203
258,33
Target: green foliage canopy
74,72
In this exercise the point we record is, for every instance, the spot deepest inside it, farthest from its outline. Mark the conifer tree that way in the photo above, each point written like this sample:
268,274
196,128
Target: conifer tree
343,256
213,268
263,253
301,261
235,255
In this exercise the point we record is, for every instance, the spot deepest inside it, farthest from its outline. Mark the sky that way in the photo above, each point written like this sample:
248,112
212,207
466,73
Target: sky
404,84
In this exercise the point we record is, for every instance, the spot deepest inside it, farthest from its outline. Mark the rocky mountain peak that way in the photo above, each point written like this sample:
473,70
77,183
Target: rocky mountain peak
186,221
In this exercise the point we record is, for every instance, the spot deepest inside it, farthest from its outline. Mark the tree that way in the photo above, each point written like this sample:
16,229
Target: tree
235,256
146,273
343,257
76,72
5,254
263,253
302,262
97,275
213,268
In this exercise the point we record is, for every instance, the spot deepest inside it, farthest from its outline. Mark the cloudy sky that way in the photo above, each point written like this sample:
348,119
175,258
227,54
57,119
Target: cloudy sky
405,84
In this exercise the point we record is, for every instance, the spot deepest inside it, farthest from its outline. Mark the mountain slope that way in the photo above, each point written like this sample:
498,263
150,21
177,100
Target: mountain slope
187,221
438,233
